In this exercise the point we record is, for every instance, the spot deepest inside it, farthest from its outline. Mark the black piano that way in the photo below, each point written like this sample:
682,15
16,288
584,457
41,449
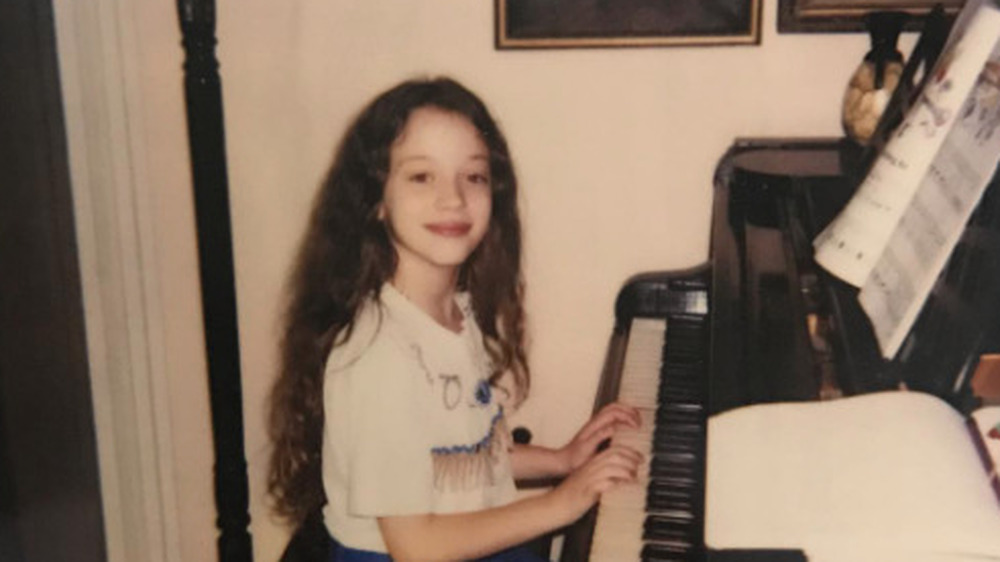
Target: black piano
763,323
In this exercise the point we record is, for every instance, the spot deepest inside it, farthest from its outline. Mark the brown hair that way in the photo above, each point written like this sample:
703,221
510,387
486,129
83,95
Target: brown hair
346,256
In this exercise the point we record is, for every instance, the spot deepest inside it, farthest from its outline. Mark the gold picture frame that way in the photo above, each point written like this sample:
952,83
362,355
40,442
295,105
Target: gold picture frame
555,24
808,16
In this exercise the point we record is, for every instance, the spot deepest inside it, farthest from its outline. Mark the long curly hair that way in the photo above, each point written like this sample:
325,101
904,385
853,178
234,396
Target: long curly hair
347,255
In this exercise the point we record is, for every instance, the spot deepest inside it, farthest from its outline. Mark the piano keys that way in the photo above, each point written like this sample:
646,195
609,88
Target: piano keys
662,372
661,512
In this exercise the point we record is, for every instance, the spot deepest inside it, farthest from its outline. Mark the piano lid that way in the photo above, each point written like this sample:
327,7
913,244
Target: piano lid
772,198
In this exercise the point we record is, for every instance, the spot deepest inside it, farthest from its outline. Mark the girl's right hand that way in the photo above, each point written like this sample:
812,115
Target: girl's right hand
584,486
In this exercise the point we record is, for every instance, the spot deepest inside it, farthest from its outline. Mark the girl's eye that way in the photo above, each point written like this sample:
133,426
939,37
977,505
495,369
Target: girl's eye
420,177
479,178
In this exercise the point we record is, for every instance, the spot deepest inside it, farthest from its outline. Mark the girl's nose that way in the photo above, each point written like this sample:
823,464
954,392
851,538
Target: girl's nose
450,193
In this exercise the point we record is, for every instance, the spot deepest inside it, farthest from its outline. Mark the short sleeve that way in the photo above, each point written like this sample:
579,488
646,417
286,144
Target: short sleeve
390,464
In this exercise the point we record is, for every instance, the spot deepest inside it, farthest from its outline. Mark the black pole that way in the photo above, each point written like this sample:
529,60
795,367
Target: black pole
218,289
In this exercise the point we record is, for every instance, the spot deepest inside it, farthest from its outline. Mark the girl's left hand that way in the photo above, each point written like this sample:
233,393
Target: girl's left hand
602,426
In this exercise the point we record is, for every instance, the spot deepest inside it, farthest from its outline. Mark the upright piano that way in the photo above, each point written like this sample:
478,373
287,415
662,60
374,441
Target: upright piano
762,322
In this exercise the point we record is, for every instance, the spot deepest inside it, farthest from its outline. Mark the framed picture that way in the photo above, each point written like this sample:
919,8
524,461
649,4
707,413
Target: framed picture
803,16
553,24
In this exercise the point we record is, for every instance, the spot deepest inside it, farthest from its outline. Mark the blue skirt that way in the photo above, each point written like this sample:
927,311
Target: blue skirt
340,553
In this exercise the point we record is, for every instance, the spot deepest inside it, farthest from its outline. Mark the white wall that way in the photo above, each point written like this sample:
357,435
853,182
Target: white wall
615,150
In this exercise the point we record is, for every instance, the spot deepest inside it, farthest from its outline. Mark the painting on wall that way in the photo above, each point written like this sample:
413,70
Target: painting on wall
553,24
798,16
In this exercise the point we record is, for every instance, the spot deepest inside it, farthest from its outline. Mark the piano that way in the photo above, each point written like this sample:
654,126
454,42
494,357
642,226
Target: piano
763,323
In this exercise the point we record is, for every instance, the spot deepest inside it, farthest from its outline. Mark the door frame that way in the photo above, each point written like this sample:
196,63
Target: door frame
99,57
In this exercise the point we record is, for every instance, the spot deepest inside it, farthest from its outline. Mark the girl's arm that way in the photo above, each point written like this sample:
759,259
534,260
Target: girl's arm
464,536
530,462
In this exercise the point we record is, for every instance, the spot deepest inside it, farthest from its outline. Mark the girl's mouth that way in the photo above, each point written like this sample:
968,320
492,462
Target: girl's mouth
449,228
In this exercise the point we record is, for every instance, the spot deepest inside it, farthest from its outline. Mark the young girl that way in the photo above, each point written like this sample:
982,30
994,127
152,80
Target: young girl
405,312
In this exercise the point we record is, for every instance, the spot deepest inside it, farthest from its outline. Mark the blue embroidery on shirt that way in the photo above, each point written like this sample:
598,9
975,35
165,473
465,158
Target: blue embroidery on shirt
475,466
483,392
475,447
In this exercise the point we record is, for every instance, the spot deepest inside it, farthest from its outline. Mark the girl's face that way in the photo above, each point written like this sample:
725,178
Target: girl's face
437,198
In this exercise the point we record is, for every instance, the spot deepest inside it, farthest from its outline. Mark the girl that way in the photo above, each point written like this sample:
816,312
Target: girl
405,311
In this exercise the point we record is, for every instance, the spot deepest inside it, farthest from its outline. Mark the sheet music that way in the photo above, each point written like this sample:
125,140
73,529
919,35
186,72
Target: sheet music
850,246
895,236
932,224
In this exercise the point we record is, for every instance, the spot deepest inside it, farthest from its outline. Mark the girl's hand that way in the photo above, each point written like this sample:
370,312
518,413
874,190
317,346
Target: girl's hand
602,426
605,470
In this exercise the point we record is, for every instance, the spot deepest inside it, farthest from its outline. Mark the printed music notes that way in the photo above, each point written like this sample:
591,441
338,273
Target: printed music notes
894,237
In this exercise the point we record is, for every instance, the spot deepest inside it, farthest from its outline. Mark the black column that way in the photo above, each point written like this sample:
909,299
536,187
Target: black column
215,252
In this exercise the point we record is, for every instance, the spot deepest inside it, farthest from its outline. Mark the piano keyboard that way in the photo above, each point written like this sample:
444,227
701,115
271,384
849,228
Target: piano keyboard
660,517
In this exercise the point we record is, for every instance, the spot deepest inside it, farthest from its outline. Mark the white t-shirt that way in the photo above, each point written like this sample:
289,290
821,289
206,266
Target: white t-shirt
412,424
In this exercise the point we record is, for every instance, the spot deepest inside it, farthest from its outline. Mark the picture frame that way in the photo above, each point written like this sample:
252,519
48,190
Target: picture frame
817,16
564,24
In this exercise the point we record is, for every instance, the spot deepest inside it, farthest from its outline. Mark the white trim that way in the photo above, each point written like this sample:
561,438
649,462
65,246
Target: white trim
98,57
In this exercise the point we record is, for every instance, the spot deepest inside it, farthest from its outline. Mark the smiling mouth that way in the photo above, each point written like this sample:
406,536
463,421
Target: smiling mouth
450,228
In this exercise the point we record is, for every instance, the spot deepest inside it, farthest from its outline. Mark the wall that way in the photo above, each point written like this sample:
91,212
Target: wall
615,150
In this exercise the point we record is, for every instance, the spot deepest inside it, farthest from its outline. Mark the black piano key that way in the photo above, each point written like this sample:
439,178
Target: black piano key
665,498
683,408
654,552
688,358
672,468
681,377
677,377
692,409
665,442
674,529
673,394
668,383
666,470
677,374
684,349
676,541
675,457
680,530
658,503
676,449
683,423
693,388
669,397
682,337
680,413
668,435
681,330
670,521
685,366
671,424
686,353
681,380
678,480
672,485
679,391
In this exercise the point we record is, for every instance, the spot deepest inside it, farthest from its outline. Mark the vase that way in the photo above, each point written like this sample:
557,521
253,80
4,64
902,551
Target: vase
872,84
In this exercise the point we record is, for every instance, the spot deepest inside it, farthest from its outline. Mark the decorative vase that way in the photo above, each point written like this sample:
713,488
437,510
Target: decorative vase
872,84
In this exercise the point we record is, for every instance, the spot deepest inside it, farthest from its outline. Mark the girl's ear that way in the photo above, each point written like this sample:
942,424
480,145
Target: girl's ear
380,211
